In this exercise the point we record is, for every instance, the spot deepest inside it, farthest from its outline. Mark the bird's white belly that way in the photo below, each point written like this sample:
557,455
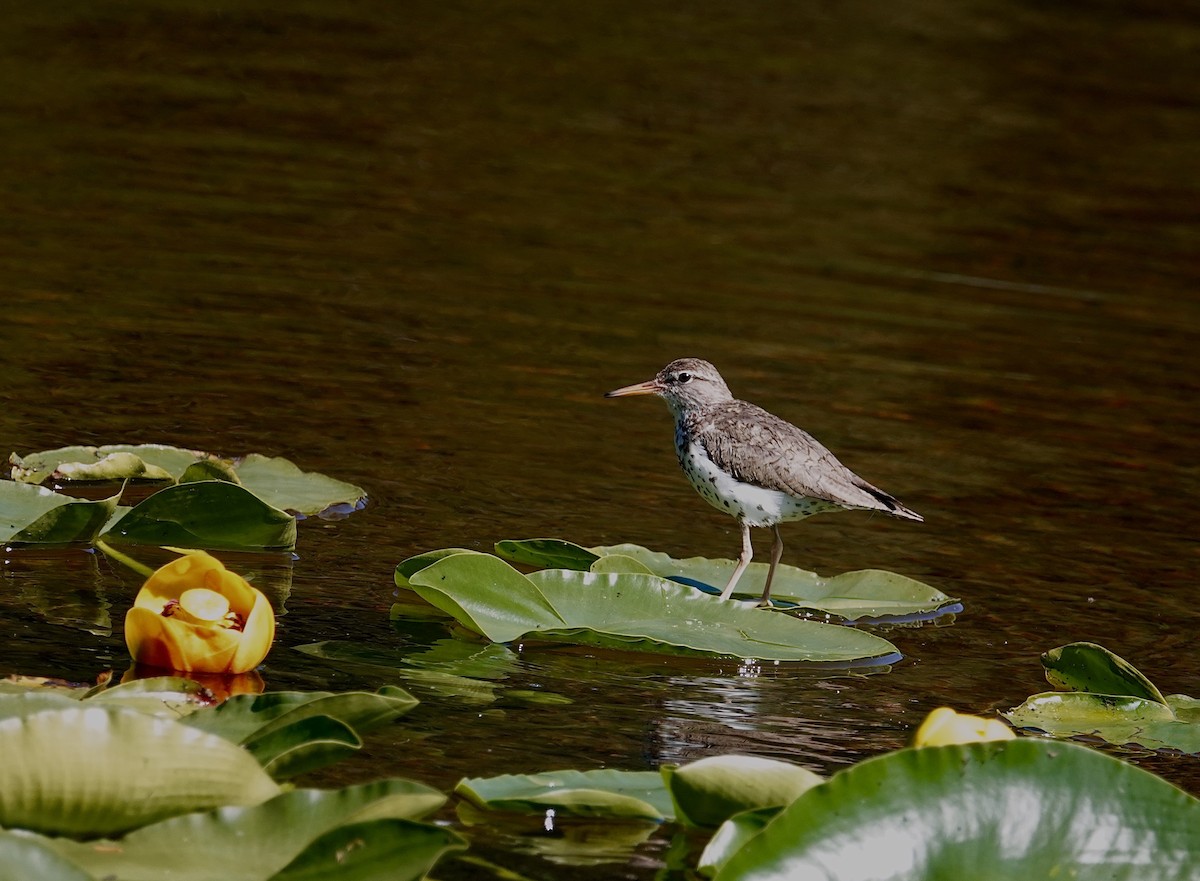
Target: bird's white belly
750,504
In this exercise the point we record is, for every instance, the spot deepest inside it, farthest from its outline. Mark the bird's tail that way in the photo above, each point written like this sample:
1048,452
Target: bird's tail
890,504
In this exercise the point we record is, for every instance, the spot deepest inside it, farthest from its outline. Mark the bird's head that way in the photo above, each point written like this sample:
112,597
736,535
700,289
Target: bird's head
685,384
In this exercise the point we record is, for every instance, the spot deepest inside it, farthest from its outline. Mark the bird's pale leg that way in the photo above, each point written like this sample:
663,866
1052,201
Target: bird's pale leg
743,562
776,555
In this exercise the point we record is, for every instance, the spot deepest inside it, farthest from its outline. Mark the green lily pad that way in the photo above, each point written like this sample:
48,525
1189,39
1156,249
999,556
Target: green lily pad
1012,809
97,770
249,718
36,515
210,514
613,610
485,595
286,835
282,484
396,850
546,553
853,596
601,793
627,611
109,462
277,481
1109,699
1085,666
709,791
26,857
731,836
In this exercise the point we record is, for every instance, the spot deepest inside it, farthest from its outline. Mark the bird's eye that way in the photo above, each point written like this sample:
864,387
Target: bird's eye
682,377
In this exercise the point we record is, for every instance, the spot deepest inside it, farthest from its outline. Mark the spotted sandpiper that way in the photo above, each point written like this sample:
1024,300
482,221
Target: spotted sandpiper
751,464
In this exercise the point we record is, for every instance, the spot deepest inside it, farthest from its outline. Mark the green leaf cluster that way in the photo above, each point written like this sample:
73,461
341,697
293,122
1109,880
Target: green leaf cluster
1007,809
623,610
1103,695
865,595
141,780
205,501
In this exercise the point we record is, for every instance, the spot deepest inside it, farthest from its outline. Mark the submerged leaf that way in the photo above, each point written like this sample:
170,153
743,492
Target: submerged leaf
1009,809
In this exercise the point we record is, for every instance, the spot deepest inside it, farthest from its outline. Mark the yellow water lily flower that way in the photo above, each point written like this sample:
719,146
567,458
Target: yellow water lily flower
944,726
193,614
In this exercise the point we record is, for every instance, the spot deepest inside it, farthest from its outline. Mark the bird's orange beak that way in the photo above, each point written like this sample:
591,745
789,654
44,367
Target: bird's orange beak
649,387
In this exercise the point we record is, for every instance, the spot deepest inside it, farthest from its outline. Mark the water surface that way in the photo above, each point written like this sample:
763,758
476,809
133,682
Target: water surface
412,245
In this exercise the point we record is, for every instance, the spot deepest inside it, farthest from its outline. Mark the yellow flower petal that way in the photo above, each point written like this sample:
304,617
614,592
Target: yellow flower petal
944,726
181,619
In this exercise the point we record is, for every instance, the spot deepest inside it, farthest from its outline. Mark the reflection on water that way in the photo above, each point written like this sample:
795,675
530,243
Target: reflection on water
412,251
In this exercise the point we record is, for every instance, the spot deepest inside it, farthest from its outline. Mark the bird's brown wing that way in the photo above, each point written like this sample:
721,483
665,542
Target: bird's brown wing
759,448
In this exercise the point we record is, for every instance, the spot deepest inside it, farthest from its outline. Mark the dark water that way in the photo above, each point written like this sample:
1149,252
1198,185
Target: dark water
411,245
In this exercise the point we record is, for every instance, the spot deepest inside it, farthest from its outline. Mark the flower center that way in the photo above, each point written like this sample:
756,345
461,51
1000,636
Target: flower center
201,606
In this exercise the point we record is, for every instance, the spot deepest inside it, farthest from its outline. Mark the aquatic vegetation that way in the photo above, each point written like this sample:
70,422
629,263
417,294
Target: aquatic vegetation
623,610
865,595
114,781
1103,695
196,499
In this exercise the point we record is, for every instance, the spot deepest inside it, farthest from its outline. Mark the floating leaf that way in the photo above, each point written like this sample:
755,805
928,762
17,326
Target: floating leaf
619,563
1085,666
1112,700
396,850
303,746
731,836
627,611
139,461
96,770
277,481
24,857
36,515
286,833
486,595
867,593
547,553
282,484
209,469
1008,809
611,610
247,717
601,793
210,514
709,791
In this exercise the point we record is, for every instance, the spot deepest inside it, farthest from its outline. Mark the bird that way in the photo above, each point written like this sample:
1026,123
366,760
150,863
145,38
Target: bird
751,464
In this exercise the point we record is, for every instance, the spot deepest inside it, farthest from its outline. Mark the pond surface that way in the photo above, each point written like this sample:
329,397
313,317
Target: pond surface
411,246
